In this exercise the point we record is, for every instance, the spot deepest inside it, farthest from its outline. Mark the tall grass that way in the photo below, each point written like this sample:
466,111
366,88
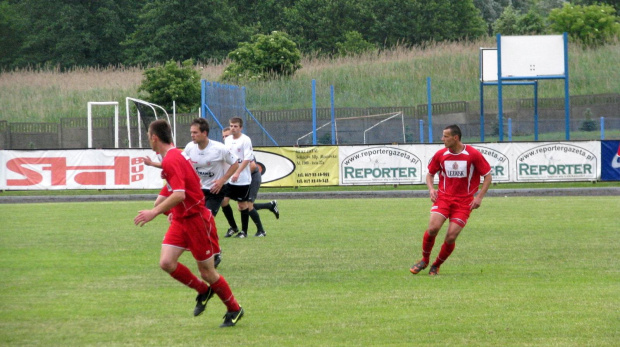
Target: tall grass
396,77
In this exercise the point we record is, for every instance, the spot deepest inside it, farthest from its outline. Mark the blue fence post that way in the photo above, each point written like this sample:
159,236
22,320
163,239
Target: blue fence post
333,116
421,131
602,128
509,129
314,112
430,110
481,111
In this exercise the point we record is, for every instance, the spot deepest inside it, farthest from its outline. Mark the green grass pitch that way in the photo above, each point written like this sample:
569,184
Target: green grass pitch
526,271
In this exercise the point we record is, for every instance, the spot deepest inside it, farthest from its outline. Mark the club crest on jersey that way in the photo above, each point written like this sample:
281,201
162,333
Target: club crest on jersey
456,168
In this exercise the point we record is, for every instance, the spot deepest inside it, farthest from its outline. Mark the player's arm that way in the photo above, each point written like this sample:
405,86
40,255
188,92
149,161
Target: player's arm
146,216
217,185
482,192
430,184
149,162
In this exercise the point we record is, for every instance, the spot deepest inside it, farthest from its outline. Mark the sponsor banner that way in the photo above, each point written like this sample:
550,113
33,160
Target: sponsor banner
578,161
391,164
495,154
298,166
79,169
610,160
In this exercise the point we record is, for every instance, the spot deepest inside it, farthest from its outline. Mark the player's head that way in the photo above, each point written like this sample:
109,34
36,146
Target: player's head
161,129
451,135
236,124
199,130
225,133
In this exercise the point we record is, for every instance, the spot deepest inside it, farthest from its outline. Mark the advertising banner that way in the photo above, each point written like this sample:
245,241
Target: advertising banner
610,160
388,164
578,161
298,166
79,169
495,154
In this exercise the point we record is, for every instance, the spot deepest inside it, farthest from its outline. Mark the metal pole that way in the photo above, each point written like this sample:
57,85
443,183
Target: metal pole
333,116
314,112
430,110
566,91
500,106
481,111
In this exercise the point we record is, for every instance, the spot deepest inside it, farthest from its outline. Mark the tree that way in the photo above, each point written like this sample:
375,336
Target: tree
317,25
11,35
67,33
171,82
506,24
592,25
184,29
267,56
354,44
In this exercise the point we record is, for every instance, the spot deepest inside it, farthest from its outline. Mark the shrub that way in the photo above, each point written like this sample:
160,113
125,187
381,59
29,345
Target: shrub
273,55
354,44
172,82
592,25
588,124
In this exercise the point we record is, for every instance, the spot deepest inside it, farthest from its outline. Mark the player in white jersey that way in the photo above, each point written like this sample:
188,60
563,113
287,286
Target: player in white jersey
238,187
213,162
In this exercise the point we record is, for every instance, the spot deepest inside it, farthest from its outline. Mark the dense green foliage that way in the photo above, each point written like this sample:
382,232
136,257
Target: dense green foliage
68,33
266,56
592,25
172,82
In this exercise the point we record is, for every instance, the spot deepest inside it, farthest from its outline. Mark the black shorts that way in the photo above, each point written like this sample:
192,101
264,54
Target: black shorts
256,181
214,201
238,193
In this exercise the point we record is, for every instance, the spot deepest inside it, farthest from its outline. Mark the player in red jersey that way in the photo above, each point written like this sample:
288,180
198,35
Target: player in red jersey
192,226
460,167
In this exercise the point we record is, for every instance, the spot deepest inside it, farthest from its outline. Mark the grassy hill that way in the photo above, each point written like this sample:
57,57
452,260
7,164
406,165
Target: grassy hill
392,78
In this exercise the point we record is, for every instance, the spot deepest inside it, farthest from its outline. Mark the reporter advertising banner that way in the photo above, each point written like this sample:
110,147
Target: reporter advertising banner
610,160
494,153
363,165
578,161
77,169
298,166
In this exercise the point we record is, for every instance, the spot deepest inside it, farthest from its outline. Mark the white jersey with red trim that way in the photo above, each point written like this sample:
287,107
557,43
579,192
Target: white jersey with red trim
211,162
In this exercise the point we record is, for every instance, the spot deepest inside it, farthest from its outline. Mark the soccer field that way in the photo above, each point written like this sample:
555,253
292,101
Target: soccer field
526,271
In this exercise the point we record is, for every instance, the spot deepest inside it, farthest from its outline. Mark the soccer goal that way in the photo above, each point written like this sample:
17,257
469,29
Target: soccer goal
376,128
147,112
90,105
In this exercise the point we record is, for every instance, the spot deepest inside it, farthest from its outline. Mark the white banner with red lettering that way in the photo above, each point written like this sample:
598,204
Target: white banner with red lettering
77,169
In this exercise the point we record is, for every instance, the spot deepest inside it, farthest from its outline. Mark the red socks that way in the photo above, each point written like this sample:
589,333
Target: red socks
221,288
446,250
427,246
185,276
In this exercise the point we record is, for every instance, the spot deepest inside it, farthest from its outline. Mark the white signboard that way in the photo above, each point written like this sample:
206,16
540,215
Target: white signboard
380,165
532,56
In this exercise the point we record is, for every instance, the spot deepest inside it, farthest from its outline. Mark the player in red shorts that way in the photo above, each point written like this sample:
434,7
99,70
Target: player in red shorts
460,167
192,226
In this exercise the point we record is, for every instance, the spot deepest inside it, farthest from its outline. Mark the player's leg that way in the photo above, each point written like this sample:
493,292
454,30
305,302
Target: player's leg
230,217
454,229
245,219
435,223
458,219
271,206
206,242
168,261
252,212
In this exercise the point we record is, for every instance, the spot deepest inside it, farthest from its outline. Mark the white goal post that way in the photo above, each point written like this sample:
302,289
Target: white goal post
90,120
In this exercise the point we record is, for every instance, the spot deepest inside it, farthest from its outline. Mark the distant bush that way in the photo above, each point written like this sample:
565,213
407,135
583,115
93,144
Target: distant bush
172,82
273,55
354,44
592,25
588,124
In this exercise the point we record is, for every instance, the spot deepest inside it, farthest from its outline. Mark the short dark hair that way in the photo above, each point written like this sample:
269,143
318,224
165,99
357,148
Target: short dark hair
236,120
202,124
162,129
454,130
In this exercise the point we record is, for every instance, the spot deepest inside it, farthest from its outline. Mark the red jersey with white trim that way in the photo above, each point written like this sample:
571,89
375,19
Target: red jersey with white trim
181,176
459,174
